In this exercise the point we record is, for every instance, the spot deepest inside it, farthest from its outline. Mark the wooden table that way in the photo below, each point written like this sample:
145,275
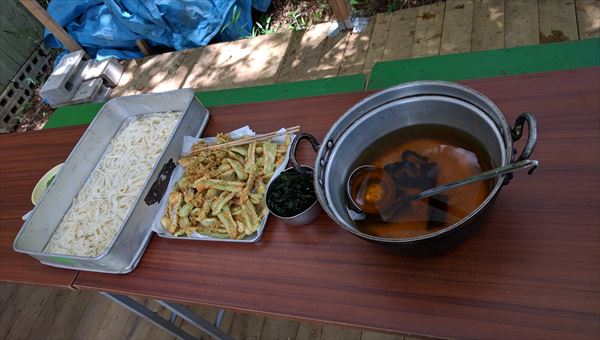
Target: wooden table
24,158
532,271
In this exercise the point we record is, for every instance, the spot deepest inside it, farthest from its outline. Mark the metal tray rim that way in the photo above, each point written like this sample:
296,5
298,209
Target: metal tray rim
87,131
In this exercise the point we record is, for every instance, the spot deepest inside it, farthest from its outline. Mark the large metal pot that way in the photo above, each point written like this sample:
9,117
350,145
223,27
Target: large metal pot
415,103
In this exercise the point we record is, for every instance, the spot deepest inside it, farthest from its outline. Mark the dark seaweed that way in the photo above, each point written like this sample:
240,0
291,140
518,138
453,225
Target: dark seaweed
291,193
413,171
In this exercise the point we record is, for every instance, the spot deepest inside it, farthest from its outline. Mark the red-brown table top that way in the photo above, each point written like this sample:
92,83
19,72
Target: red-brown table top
24,158
532,270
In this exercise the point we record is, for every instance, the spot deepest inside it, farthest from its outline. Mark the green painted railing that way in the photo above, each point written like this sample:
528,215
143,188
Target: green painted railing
473,65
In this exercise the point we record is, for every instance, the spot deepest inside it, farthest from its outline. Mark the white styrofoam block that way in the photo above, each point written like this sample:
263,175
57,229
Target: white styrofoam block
65,79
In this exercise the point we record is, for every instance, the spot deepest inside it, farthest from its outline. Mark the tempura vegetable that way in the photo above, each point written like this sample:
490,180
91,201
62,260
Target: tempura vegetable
222,192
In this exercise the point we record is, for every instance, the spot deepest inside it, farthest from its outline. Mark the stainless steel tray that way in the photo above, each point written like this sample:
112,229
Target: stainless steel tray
255,237
125,251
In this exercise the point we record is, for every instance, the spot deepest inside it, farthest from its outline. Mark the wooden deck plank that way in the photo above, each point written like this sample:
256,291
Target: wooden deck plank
92,317
488,25
332,55
338,333
205,312
158,72
25,310
213,74
156,332
402,32
458,27
356,50
51,307
142,326
230,54
521,23
67,319
380,336
558,21
111,325
123,89
306,64
291,58
200,63
277,328
251,59
135,323
246,326
172,76
428,30
379,37
264,60
6,291
309,331
227,320
588,18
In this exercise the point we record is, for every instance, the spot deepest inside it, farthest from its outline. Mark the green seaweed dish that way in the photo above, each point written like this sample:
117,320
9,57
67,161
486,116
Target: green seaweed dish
291,193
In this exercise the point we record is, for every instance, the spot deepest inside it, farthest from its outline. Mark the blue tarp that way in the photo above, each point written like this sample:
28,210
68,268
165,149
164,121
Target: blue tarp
109,28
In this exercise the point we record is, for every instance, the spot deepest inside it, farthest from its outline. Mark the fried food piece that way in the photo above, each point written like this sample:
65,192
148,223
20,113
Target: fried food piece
175,200
270,151
228,221
165,221
238,168
249,184
220,203
218,184
185,210
188,195
240,149
222,191
208,222
250,158
223,138
185,223
233,155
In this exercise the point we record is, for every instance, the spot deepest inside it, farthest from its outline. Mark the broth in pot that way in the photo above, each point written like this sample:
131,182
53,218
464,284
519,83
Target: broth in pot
415,159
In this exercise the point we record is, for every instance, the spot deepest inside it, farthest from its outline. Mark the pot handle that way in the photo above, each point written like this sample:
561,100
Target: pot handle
517,132
313,142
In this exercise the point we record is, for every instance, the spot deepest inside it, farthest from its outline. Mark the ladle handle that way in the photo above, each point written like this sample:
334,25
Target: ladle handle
527,163
313,142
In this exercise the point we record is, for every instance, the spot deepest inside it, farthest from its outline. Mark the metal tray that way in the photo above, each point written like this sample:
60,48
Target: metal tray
125,251
252,238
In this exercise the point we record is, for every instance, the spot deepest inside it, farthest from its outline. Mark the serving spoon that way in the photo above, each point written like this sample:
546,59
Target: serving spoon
381,203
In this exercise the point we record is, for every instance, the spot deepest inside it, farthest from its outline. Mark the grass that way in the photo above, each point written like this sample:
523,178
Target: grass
296,15
292,15
372,7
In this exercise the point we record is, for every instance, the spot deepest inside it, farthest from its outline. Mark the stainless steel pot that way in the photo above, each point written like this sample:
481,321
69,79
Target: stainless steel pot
415,103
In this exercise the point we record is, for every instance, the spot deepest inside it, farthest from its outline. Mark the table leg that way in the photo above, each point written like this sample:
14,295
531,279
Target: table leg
144,312
219,318
197,321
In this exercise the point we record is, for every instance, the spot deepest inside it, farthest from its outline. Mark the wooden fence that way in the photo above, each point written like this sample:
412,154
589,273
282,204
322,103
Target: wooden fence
20,34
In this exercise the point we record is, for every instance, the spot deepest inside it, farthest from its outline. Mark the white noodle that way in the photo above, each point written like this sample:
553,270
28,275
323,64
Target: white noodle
103,202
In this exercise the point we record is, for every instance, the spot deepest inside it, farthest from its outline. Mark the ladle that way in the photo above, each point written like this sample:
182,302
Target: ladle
383,199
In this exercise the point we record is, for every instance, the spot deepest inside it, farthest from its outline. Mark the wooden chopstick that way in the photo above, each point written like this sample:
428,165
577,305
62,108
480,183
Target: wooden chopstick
239,142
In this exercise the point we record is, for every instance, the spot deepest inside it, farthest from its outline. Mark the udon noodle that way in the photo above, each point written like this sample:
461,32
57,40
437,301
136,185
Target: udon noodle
100,207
